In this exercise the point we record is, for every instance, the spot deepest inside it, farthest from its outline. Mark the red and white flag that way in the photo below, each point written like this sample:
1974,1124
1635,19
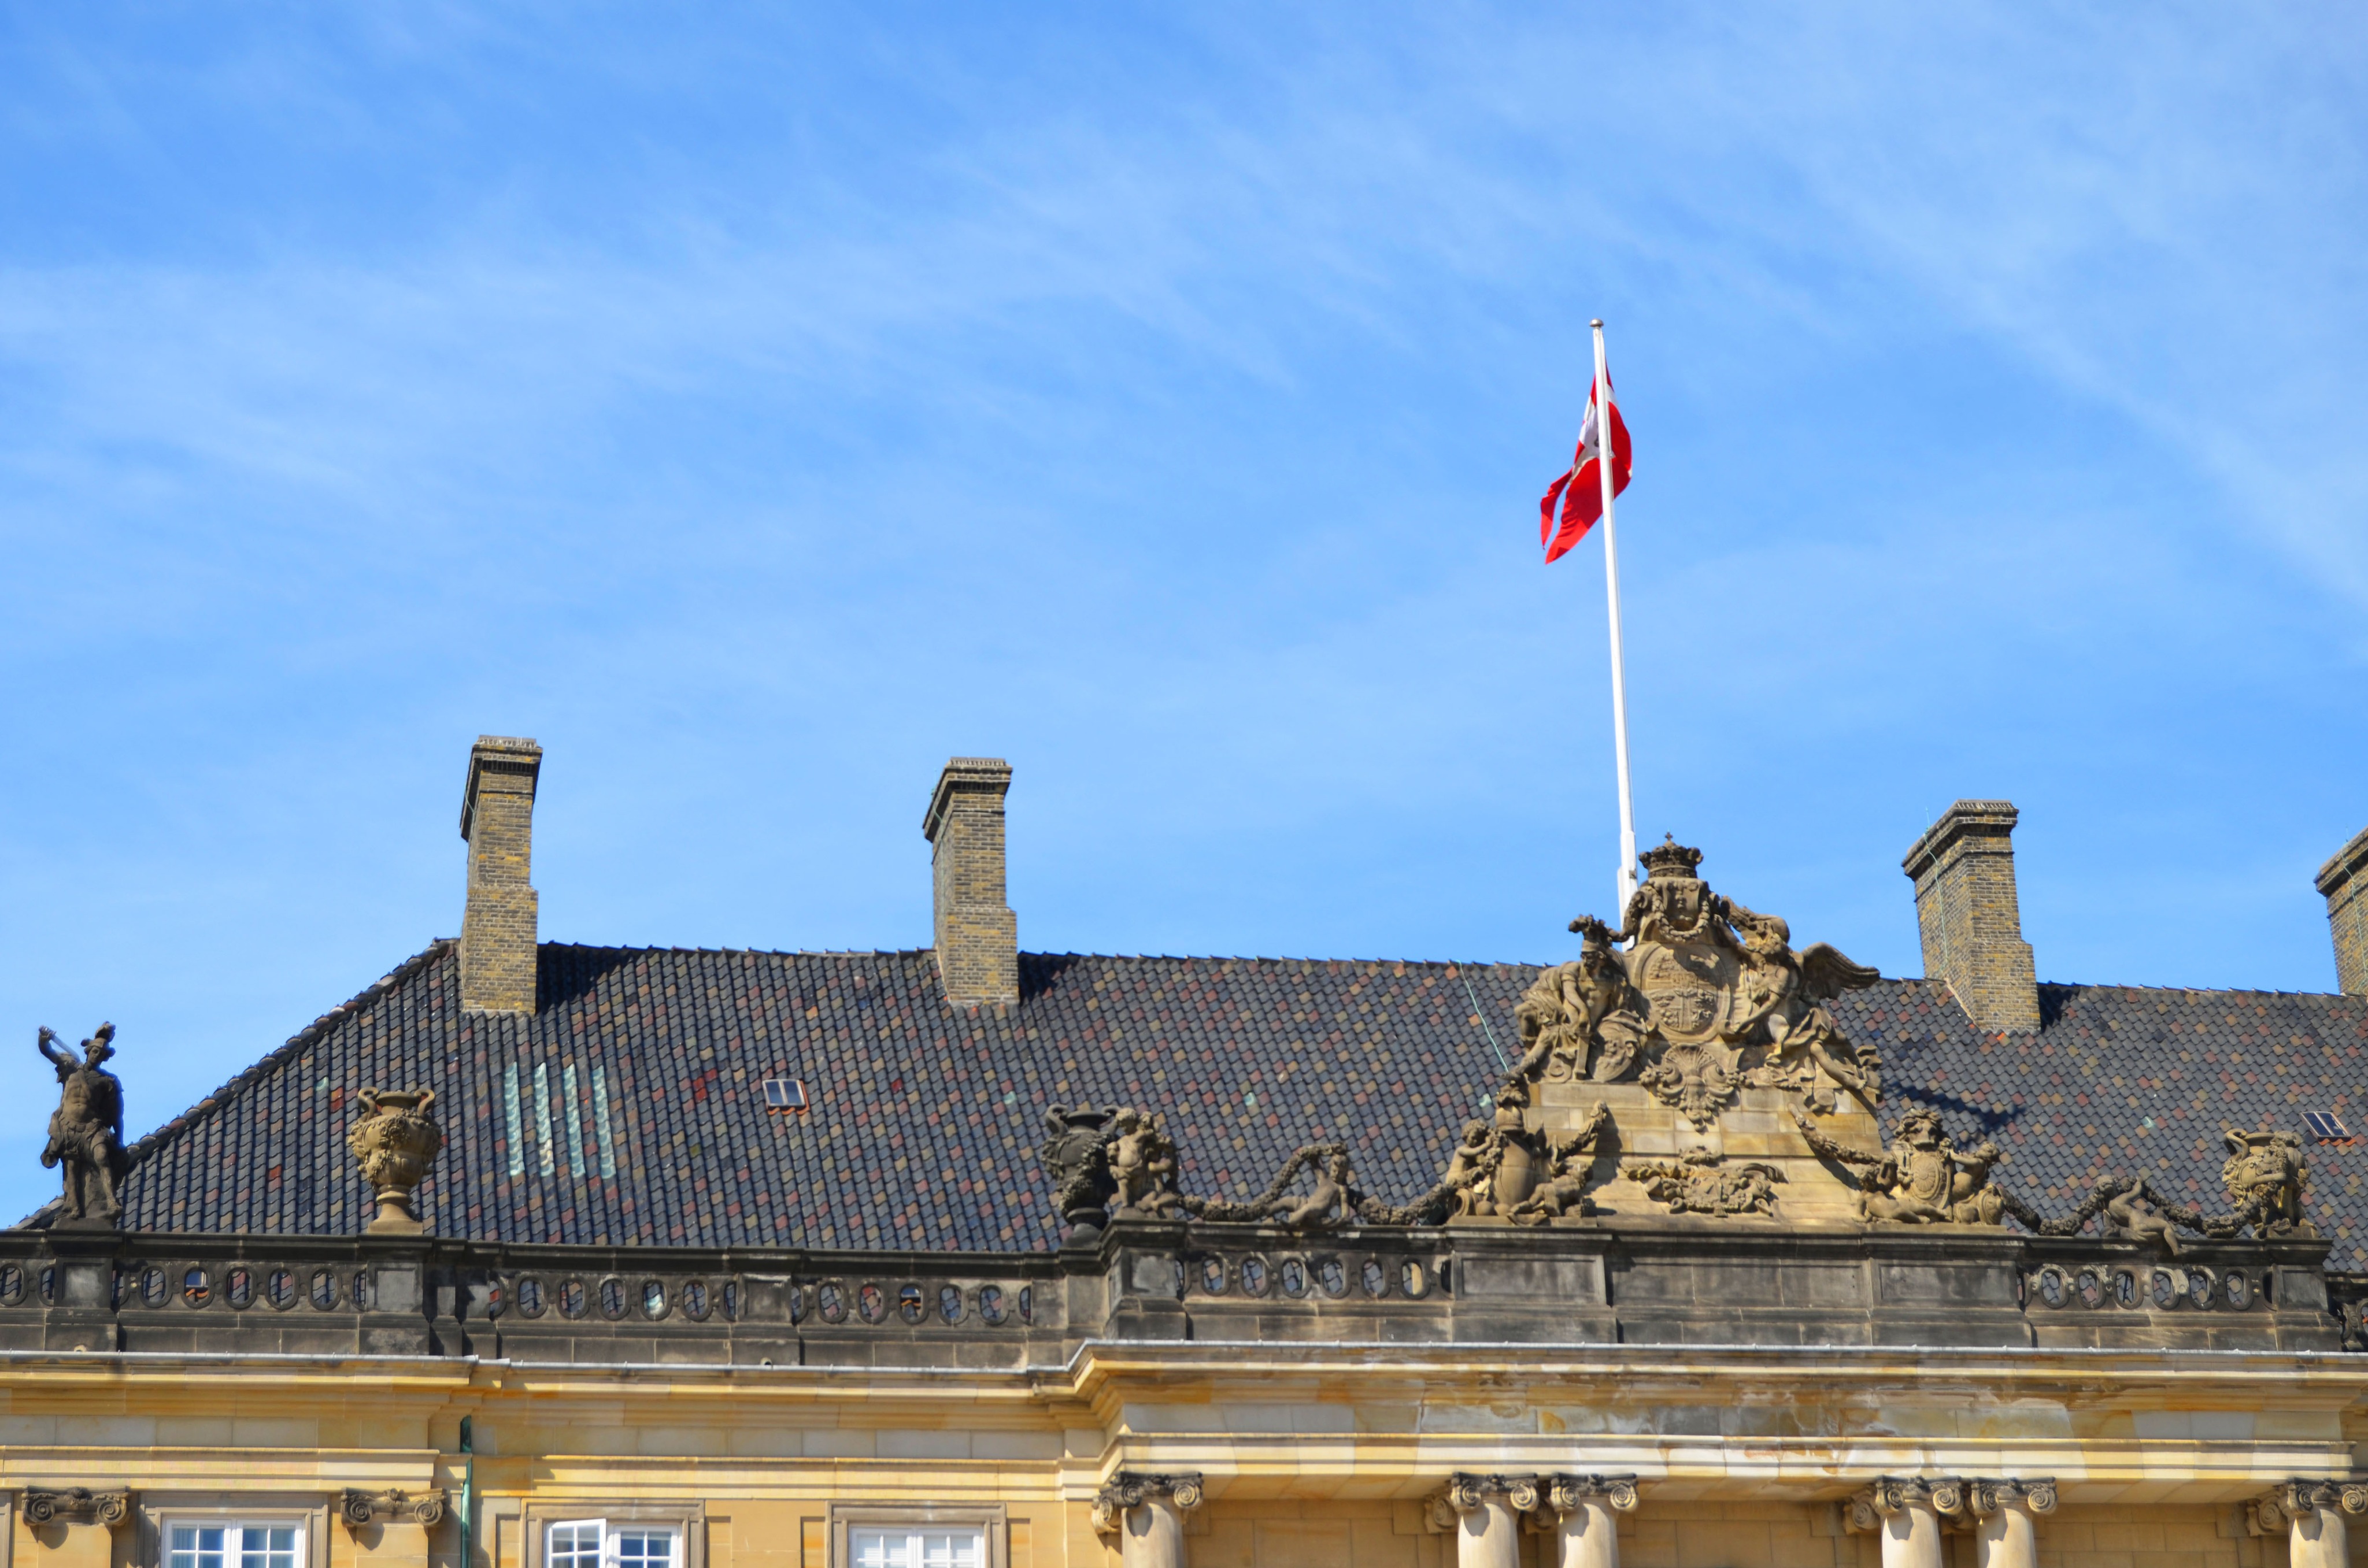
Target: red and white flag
1580,489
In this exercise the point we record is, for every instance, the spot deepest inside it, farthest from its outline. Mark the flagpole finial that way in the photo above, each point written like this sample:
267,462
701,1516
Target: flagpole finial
1597,322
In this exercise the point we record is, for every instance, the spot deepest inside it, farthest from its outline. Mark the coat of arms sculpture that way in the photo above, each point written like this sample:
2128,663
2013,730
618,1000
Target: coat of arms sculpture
1709,998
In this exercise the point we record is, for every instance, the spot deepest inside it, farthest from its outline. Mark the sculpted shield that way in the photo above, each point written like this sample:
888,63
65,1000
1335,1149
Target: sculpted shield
1689,986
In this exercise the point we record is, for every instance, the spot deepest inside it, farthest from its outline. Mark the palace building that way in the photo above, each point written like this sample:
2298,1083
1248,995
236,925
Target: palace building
1708,1248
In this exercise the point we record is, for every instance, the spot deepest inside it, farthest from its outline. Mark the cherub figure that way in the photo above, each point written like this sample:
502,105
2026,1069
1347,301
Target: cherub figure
1471,1169
1328,1205
1570,1163
1141,1165
2132,1214
86,1129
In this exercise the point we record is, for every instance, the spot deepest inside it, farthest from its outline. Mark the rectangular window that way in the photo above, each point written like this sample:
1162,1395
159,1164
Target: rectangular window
235,1544
785,1093
544,1152
510,1120
608,1544
600,1120
915,1546
575,1123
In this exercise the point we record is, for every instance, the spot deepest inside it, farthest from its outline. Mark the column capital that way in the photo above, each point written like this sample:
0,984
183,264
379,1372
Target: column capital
1989,1495
1133,1488
2275,1510
1467,1490
79,1505
1565,1493
1866,1508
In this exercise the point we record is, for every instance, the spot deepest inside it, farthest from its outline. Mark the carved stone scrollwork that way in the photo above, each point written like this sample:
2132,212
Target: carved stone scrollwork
2274,1512
358,1508
1923,1178
1987,1497
75,1505
1467,1491
1888,1495
1131,1489
1700,1183
2264,1175
1566,1493
1710,998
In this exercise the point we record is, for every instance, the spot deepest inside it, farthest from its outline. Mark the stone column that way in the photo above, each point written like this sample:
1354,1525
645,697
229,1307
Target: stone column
1585,1530
1906,1512
1146,1513
2311,1514
1485,1512
2004,1534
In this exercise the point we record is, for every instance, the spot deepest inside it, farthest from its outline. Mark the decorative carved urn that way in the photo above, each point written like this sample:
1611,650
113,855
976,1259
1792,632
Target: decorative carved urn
1517,1168
396,1144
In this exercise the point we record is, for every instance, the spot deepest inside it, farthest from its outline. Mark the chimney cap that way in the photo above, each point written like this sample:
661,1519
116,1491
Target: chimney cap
974,772
509,753
1998,815
2344,864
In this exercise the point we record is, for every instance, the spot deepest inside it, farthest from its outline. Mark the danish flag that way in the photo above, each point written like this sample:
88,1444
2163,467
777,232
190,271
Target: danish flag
1580,488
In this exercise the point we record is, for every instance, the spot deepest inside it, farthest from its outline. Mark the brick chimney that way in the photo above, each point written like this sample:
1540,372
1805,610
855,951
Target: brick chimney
977,937
1965,905
498,933
2343,882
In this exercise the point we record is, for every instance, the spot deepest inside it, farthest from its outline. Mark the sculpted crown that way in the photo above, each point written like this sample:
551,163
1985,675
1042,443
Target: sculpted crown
1670,859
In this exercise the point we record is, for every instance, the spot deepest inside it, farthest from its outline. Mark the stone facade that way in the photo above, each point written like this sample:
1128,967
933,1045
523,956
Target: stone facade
2343,882
1697,1278
977,934
498,928
1972,922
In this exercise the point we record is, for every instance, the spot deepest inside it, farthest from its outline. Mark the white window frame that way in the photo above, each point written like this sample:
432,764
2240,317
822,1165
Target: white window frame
687,1521
989,1520
306,1522
611,1529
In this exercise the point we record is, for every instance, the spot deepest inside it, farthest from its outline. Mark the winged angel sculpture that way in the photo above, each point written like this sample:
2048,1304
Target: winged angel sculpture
1710,998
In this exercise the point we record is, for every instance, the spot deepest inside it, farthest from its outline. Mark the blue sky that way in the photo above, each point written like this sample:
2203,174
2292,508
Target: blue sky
757,406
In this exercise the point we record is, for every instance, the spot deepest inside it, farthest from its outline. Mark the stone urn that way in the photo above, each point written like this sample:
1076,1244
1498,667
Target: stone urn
396,1144
1517,1175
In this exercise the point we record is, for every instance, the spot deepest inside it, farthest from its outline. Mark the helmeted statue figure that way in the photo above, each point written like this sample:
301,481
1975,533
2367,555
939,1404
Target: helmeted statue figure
86,1129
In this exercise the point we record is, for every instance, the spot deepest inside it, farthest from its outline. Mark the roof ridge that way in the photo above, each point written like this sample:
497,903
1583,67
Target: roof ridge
294,1044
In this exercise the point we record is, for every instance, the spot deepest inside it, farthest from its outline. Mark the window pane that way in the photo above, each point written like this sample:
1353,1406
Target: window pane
197,1546
880,1548
953,1548
574,1545
644,1548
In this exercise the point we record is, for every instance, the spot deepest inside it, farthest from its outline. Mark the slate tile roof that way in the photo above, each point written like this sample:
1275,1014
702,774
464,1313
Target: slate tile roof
630,1109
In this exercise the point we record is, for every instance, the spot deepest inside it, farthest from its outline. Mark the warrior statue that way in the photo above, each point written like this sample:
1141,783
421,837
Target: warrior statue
86,1129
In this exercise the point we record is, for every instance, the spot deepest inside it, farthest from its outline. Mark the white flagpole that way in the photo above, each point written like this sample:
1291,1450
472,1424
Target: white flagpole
1604,405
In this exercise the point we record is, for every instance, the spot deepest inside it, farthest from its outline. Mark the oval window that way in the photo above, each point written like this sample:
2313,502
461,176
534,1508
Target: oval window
990,1304
1213,1275
1254,1275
